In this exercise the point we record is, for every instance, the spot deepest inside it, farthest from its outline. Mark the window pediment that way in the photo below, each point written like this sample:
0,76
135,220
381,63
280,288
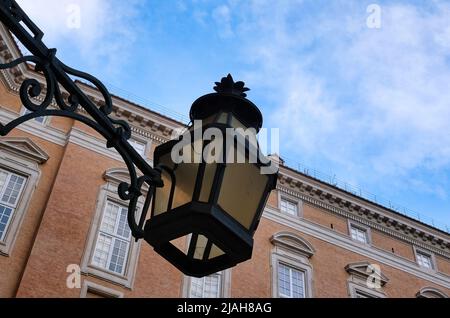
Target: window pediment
293,242
430,292
364,270
117,175
24,147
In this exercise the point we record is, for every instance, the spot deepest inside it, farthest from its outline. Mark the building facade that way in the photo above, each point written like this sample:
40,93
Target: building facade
60,215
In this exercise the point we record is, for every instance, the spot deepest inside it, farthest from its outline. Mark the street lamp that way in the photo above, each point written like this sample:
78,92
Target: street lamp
215,204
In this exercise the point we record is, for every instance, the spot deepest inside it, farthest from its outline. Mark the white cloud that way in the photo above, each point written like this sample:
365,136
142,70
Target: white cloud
372,101
222,17
106,28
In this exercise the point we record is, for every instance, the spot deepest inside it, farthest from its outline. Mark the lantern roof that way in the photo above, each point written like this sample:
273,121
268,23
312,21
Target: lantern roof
230,96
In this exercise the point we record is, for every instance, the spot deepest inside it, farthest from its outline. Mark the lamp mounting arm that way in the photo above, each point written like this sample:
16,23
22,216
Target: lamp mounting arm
59,76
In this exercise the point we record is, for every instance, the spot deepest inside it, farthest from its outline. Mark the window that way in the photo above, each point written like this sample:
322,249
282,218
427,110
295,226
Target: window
40,120
358,234
113,240
111,254
206,287
424,260
291,270
20,160
288,207
291,282
11,187
138,146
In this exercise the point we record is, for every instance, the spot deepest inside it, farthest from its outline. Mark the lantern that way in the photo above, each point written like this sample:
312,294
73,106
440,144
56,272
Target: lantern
215,196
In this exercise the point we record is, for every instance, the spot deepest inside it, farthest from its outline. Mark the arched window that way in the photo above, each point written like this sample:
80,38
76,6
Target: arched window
292,273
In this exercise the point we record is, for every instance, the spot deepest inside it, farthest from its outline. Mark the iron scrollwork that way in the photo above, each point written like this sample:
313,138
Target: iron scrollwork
57,75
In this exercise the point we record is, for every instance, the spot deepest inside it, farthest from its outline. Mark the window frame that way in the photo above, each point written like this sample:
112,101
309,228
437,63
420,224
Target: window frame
294,201
23,162
362,228
296,260
291,269
420,251
219,276
7,205
142,141
224,284
114,237
108,192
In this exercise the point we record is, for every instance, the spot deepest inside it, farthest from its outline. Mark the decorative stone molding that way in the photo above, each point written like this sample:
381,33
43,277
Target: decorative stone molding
386,221
294,243
24,147
431,292
325,234
363,270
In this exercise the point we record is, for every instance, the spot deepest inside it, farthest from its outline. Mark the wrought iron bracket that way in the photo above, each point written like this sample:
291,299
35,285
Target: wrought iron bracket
58,75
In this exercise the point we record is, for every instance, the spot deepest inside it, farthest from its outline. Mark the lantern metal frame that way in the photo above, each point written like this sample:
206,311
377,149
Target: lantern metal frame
209,219
62,97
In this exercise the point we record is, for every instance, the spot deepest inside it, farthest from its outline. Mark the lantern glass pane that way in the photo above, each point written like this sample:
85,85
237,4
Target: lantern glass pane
200,247
209,120
181,242
215,252
236,123
162,194
186,176
241,191
223,118
207,184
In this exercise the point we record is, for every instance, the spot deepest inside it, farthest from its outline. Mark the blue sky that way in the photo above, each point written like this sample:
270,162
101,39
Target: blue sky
368,105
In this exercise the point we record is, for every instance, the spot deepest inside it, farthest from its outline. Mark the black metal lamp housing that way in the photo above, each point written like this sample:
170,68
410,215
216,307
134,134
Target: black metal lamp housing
215,205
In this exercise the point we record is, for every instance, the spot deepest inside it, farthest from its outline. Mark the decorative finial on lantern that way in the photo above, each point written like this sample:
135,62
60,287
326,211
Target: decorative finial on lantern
227,85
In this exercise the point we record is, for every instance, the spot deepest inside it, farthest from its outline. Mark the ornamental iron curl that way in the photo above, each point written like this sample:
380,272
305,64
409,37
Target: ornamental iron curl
57,75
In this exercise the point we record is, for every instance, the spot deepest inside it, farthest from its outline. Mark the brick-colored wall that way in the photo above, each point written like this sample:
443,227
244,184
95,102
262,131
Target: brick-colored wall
388,243
325,218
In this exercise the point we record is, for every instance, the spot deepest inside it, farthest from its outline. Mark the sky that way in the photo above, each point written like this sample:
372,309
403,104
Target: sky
359,89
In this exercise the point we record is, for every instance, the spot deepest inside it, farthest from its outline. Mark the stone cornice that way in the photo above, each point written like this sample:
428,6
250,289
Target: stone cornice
387,222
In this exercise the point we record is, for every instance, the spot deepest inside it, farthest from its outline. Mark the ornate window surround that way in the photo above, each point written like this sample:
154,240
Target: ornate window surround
108,192
431,292
23,157
293,251
357,282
